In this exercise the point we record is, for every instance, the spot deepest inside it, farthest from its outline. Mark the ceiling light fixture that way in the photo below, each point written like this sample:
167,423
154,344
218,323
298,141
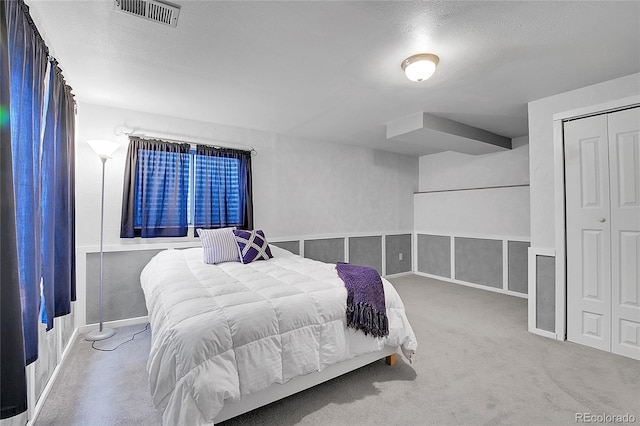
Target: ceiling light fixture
420,67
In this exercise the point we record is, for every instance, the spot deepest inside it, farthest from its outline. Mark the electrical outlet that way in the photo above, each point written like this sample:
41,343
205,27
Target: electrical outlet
400,257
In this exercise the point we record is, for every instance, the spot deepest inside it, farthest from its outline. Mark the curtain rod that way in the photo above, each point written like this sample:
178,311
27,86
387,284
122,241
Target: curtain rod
142,135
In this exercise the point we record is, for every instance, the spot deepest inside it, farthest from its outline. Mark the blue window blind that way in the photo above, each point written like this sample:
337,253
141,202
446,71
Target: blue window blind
162,180
223,194
219,197
156,186
168,186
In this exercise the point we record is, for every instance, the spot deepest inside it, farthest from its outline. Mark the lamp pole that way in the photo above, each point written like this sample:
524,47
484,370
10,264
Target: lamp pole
101,333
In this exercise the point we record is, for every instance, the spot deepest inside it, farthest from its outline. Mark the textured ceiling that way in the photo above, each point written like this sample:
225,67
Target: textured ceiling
331,70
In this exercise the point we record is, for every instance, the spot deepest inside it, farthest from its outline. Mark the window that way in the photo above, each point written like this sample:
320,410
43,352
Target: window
220,188
162,183
171,186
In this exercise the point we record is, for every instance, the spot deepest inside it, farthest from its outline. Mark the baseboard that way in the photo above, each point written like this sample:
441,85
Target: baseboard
399,274
114,324
468,284
543,333
52,379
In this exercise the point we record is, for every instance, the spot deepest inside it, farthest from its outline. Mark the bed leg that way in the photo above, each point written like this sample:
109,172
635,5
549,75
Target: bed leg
391,359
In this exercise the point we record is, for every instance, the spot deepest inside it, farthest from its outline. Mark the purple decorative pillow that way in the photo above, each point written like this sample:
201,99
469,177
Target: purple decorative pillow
252,245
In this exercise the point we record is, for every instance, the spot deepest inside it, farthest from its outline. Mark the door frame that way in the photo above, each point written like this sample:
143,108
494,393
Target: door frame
559,198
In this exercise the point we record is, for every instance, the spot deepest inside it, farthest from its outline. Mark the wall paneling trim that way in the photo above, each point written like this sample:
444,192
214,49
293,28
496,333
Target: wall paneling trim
124,302
542,291
494,263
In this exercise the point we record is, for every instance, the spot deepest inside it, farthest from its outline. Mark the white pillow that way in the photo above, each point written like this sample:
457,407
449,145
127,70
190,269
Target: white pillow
219,245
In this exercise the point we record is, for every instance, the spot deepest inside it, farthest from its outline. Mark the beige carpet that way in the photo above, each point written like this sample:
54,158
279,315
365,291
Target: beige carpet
476,365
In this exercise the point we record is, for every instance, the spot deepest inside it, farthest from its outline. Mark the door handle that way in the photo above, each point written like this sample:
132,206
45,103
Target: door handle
602,219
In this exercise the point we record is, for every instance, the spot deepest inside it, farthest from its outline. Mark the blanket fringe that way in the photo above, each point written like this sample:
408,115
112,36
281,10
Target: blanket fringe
362,316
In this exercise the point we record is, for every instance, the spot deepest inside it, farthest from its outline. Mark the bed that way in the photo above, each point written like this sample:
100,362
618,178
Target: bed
231,337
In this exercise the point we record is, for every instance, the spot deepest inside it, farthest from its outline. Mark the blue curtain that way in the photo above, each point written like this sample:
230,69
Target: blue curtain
223,193
27,66
13,381
37,185
156,186
57,183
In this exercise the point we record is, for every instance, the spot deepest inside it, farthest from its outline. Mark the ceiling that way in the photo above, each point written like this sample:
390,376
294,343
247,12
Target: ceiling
331,70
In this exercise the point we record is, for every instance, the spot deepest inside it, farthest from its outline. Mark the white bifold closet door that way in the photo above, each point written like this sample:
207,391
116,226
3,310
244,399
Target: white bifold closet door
602,173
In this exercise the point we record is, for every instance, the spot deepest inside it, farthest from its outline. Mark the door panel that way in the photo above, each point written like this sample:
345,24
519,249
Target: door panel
588,232
629,255
590,181
624,152
592,260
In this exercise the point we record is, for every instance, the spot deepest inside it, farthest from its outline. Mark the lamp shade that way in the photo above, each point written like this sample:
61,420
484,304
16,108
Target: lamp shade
103,148
420,67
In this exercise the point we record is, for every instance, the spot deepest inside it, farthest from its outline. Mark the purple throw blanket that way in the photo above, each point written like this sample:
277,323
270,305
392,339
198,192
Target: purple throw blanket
366,309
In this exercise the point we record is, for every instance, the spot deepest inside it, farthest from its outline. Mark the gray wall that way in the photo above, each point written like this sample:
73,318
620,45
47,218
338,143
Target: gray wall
366,251
292,246
476,260
479,261
329,250
546,293
518,266
396,245
434,255
123,296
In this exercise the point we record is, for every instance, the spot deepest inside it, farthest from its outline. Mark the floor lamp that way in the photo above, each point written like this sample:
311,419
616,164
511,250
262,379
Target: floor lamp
105,150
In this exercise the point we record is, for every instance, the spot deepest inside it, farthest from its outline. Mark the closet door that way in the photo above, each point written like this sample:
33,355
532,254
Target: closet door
624,161
588,232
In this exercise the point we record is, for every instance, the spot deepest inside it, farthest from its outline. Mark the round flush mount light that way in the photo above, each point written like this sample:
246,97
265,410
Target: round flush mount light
420,67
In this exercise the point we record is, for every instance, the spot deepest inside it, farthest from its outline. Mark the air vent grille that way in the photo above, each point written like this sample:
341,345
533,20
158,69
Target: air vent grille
153,10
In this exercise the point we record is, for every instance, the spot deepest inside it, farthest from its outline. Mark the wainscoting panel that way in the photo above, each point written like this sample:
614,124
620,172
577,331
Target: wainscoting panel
67,324
292,246
396,245
47,357
434,255
517,266
545,293
479,261
330,250
123,297
366,251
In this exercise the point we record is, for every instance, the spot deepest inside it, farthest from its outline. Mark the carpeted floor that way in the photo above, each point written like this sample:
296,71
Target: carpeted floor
476,365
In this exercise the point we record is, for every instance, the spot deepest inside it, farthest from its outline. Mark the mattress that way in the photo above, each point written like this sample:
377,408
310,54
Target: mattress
220,332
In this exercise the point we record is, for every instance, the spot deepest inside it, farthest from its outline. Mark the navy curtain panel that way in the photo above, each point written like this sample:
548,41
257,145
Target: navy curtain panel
37,166
223,193
57,187
13,381
27,66
156,188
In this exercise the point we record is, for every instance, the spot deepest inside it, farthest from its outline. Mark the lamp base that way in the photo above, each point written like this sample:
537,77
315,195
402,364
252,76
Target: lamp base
100,335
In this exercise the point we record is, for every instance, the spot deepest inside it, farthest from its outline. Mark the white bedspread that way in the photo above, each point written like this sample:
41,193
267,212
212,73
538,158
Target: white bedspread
223,331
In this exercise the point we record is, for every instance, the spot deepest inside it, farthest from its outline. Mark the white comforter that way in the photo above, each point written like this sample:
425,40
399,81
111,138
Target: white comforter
223,331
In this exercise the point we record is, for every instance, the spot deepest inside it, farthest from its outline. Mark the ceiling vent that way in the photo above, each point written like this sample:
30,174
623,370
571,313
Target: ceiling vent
154,10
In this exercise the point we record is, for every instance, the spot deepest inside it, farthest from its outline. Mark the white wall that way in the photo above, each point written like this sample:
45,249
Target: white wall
454,170
542,151
501,212
300,187
541,146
